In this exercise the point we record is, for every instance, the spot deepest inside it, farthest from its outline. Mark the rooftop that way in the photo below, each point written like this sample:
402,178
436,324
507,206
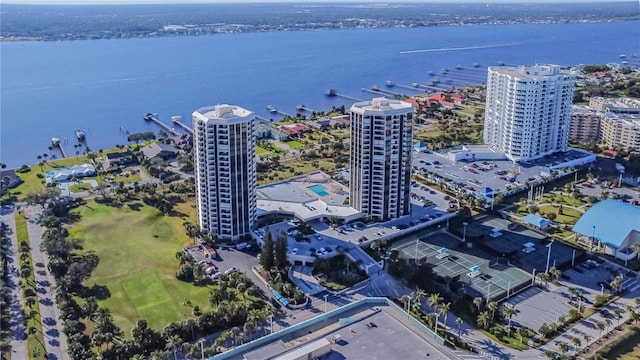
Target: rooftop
370,328
611,230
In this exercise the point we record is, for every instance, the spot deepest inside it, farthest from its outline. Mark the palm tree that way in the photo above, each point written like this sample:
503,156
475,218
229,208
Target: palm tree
600,326
405,299
564,347
484,319
459,322
418,296
172,344
478,303
492,306
636,247
508,312
586,338
609,322
576,344
618,315
444,312
434,302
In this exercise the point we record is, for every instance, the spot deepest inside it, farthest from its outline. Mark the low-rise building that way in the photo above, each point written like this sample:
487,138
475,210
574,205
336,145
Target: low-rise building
159,150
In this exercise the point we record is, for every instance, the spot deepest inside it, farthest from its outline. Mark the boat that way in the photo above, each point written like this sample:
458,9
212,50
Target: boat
623,56
459,67
55,141
501,63
444,70
476,65
375,88
415,84
272,108
330,92
431,73
150,116
388,83
80,135
300,106
434,81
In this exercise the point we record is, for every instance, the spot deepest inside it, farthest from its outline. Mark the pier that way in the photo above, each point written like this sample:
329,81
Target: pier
56,143
332,92
154,118
64,153
413,88
303,108
177,120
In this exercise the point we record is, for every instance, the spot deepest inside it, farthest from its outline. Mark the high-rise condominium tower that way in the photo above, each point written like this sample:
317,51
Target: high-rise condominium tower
528,110
381,145
225,168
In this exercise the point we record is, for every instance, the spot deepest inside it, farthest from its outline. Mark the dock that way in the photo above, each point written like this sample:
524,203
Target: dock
154,118
332,92
56,143
177,120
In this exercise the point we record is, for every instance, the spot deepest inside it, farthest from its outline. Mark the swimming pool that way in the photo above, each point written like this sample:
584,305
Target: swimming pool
320,190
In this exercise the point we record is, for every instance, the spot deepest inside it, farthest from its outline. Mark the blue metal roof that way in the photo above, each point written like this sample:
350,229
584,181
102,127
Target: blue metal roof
613,221
536,220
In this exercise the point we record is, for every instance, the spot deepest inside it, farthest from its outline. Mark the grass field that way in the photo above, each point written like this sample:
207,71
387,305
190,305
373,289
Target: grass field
137,247
295,144
35,341
262,151
569,216
79,187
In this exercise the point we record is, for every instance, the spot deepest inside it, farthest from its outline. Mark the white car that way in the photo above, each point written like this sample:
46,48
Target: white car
319,237
230,271
294,251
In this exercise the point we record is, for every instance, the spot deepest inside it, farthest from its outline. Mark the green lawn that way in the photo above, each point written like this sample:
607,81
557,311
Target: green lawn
35,341
79,187
137,248
263,152
295,144
569,216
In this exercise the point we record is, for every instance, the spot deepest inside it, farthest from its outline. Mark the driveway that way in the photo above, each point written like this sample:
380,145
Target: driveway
55,340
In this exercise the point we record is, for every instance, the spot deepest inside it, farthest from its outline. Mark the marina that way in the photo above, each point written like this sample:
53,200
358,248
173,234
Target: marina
151,117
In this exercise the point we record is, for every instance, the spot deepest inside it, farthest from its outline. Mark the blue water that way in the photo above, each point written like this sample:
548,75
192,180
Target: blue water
320,190
48,89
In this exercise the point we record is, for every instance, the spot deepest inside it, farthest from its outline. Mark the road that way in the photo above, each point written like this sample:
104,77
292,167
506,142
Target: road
17,321
55,340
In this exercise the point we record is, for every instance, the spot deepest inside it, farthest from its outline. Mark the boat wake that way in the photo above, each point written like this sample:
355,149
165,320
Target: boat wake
457,48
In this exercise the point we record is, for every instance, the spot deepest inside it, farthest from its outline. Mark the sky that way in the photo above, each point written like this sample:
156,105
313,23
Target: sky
91,2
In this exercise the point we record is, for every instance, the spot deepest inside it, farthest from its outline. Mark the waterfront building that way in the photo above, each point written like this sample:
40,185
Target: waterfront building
381,146
585,125
528,110
225,170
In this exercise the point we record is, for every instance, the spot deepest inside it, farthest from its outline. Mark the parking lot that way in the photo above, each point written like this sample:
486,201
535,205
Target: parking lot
495,174
536,306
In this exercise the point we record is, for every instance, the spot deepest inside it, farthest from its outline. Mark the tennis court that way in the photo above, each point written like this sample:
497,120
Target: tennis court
514,239
475,270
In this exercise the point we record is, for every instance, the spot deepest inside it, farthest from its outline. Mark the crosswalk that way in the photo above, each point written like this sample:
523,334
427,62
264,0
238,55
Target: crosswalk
466,355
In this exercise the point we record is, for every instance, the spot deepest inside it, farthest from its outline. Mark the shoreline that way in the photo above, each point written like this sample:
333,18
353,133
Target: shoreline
160,33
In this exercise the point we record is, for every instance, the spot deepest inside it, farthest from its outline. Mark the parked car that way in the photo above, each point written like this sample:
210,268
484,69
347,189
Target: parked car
230,270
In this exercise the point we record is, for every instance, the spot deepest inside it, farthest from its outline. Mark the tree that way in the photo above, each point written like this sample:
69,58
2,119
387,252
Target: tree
563,347
600,325
478,303
267,257
484,319
617,313
492,306
509,312
444,311
544,330
191,230
172,344
281,251
419,295
459,323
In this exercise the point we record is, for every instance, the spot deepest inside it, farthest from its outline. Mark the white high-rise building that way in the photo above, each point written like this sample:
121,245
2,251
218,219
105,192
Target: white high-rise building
224,145
528,110
381,145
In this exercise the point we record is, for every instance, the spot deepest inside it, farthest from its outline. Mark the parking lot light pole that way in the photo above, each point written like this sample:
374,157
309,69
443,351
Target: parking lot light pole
602,289
416,259
533,277
548,255
271,321
464,231
325,302
202,348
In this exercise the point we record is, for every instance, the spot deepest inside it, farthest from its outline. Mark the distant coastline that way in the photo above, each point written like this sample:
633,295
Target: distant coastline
77,22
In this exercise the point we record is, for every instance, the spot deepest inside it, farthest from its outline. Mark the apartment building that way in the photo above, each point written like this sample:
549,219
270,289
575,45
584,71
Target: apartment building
225,170
585,124
620,130
528,110
381,145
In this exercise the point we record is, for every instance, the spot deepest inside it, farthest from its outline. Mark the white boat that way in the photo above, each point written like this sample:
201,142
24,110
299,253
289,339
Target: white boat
55,141
300,106
272,108
389,83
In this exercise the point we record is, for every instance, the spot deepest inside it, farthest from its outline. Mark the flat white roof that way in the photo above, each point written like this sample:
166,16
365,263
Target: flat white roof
309,210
